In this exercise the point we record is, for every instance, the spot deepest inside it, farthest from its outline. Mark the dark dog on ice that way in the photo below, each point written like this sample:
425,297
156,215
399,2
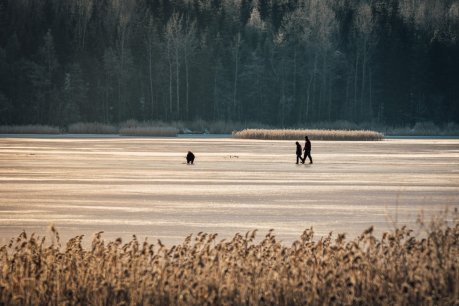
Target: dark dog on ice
190,158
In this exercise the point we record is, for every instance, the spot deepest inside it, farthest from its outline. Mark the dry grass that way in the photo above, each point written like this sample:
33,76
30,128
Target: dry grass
220,126
396,269
291,134
425,129
92,128
29,129
148,128
197,126
227,127
160,131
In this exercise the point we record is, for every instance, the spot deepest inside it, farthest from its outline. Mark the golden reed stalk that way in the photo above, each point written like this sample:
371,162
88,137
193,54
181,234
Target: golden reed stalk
290,134
396,269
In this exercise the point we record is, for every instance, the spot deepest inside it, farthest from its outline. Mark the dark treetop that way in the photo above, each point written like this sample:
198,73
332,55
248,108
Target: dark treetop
282,62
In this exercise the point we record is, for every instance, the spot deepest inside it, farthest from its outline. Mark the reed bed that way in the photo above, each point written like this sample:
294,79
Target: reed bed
399,268
29,129
92,128
148,128
220,126
160,131
425,129
298,134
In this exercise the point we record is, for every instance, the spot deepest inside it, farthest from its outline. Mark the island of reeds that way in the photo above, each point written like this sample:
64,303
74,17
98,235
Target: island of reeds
401,267
314,134
322,130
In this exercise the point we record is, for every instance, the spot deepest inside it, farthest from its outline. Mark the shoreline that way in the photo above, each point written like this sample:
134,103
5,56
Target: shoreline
197,135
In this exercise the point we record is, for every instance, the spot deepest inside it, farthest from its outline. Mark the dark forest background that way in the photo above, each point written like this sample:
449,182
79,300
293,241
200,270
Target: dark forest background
284,63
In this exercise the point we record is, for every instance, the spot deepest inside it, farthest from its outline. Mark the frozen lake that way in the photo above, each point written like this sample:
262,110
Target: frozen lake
142,186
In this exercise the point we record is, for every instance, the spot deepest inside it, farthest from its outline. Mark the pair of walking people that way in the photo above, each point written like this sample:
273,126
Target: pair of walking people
306,149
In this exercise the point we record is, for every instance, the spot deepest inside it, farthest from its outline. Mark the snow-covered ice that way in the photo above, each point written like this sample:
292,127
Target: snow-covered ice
142,186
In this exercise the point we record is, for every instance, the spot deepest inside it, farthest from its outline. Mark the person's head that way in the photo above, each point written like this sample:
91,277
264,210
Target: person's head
306,138
297,143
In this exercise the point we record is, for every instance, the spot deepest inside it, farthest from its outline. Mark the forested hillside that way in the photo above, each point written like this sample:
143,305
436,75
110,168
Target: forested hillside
283,63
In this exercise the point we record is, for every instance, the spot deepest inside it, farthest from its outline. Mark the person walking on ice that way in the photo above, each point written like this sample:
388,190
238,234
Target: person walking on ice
307,150
298,153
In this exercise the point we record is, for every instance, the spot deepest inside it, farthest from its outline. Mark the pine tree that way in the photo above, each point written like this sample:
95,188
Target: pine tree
74,95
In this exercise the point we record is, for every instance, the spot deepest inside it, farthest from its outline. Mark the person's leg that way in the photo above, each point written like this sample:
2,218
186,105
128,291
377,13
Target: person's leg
310,158
298,157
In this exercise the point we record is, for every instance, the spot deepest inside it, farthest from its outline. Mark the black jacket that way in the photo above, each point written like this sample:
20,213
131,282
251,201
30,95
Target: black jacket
298,149
307,145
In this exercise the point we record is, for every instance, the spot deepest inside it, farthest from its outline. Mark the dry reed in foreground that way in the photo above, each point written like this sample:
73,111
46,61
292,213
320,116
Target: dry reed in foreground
29,129
396,269
290,134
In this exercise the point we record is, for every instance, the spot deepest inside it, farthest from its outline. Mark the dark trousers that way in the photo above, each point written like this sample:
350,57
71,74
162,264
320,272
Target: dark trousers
298,158
307,154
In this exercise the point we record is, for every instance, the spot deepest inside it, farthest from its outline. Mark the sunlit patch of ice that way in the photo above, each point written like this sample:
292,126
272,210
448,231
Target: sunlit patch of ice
128,186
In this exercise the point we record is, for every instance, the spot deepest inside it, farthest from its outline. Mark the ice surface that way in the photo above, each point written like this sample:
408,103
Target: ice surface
142,186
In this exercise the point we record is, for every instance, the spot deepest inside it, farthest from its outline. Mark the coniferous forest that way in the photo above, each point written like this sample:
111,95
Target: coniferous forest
278,62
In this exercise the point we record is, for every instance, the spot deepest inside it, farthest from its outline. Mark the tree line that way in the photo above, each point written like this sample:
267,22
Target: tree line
278,62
